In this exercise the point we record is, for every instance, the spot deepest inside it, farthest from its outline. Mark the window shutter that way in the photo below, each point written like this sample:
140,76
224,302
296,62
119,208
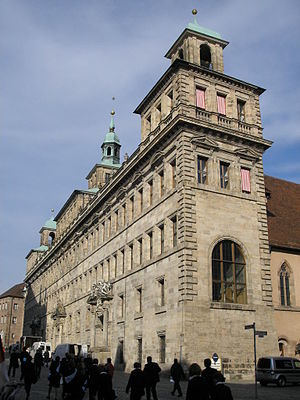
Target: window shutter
221,100
200,98
245,179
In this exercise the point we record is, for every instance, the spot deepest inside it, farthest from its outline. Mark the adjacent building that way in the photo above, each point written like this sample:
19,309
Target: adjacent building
283,207
167,254
12,314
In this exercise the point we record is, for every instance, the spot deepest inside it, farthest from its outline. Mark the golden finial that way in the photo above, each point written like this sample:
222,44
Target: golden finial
194,11
112,112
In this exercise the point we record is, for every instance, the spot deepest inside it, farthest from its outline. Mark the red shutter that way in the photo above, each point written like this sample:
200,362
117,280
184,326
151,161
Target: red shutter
200,98
221,100
245,179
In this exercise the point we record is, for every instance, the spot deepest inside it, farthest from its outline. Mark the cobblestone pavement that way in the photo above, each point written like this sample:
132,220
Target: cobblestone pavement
240,391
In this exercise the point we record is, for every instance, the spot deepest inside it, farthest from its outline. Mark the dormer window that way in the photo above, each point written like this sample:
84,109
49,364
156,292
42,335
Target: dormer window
205,56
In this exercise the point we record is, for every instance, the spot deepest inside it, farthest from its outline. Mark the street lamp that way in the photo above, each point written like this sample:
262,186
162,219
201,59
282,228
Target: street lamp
260,334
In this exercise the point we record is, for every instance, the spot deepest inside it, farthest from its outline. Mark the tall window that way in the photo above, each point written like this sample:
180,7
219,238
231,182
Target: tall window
132,206
221,101
107,177
174,230
139,300
122,261
139,350
161,283
173,171
245,180
130,247
162,182
284,286
162,238
200,98
162,348
150,234
141,195
122,304
205,56
150,183
241,110
228,273
140,250
224,179
202,169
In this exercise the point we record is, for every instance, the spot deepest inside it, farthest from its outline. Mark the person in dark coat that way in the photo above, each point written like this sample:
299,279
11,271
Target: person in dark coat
209,374
109,367
151,371
13,362
29,375
38,362
93,379
23,358
105,391
197,388
46,357
136,382
54,377
220,390
176,374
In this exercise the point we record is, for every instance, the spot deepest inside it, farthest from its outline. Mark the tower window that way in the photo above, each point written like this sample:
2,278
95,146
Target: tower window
224,175
108,151
202,169
221,101
205,56
200,98
180,54
241,110
284,286
228,273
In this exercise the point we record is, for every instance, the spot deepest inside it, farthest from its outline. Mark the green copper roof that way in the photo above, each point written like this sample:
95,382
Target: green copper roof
93,190
50,224
41,248
194,26
111,136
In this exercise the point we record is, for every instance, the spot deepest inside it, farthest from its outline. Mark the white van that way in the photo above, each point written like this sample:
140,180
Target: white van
71,348
40,345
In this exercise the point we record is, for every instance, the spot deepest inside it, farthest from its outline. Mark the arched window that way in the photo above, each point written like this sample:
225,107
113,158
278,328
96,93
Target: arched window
228,273
284,278
51,238
205,56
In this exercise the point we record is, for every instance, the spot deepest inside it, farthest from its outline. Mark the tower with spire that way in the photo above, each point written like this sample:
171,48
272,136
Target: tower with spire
110,159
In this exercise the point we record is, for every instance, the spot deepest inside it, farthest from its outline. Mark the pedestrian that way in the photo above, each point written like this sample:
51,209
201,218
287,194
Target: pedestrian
47,357
136,382
29,375
23,358
151,370
93,380
220,390
13,362
54,377
176,374
209,374
38,362
105,391
109,367
197,388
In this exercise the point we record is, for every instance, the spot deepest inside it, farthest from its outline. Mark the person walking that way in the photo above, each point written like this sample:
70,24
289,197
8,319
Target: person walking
209,375
109,367
38,362
136,382
93,380
176,374
47,357
105,391
54,377
23,358
151,371
197,388
29,375
220,390
13,362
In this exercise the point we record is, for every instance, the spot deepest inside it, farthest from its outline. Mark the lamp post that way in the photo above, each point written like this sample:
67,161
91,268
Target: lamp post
260,334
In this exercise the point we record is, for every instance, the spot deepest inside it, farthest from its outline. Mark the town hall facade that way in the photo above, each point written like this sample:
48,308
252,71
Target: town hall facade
167,253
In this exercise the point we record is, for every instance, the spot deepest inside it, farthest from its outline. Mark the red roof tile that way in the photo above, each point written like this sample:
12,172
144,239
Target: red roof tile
283,206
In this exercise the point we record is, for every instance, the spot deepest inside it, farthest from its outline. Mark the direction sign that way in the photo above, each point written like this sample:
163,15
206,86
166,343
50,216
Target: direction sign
261,333
215,357
249,326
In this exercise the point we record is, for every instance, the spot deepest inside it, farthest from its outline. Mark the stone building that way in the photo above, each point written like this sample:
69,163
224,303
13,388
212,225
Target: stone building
167,254
12,314
283,207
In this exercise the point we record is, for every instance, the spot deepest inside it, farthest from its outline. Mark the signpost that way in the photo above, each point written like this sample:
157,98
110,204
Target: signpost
216,362
260,334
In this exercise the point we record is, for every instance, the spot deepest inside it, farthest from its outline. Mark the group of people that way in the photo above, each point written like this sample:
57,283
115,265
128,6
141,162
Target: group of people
77,374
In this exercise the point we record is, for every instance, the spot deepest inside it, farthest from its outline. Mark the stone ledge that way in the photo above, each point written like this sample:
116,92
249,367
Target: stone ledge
230,306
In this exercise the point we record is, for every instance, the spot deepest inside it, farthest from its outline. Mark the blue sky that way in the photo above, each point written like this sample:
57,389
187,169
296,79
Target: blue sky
61,63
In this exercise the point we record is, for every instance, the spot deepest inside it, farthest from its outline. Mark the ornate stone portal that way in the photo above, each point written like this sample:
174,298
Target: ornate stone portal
99,301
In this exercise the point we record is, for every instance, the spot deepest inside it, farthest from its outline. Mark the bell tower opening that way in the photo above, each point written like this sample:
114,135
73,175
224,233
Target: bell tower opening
205,56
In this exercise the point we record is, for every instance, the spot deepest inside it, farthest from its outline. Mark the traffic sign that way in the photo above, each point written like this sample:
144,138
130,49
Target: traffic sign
215,357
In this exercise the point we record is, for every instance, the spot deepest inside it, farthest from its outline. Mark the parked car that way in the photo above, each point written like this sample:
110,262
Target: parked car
279,370
71,348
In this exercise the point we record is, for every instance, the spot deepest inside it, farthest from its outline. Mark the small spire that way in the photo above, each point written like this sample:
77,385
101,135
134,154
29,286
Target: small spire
52,212
195,12
112,122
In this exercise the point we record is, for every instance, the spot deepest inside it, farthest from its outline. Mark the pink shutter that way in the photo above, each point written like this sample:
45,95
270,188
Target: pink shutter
245,178
221,104
200,98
